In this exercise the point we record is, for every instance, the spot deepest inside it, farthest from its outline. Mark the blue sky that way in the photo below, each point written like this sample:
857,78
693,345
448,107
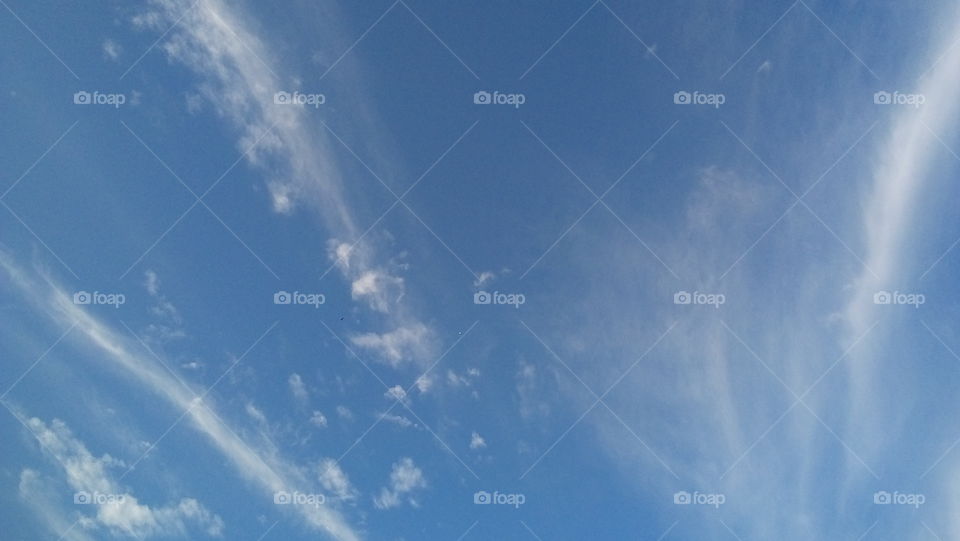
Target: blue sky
479,270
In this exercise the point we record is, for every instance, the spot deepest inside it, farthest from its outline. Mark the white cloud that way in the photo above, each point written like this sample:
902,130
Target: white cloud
169,324
318,419
477,441
398,420
424,383
462,380
484,278
395,393
404,479
344,412
111,49
414,343
298,388
334,480
42,496
125,515
265,468
378,288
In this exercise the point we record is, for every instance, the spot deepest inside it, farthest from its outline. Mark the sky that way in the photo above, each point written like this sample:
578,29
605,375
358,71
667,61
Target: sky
398,270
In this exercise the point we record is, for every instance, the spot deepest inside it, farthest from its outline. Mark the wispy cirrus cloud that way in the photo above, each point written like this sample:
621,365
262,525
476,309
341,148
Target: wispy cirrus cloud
265,469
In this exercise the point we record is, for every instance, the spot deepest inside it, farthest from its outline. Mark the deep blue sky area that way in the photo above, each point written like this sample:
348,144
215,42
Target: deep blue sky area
403,270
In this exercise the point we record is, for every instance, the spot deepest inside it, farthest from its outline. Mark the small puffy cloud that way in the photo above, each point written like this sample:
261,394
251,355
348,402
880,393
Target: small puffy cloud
395,393
398,420
297,387
409,343
529,390
318,419
378,288
111,49
477,441
765,67
256,414
334,480
282,197
169,324
465,379
424,383
484,278
405,478
123,514
344,412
